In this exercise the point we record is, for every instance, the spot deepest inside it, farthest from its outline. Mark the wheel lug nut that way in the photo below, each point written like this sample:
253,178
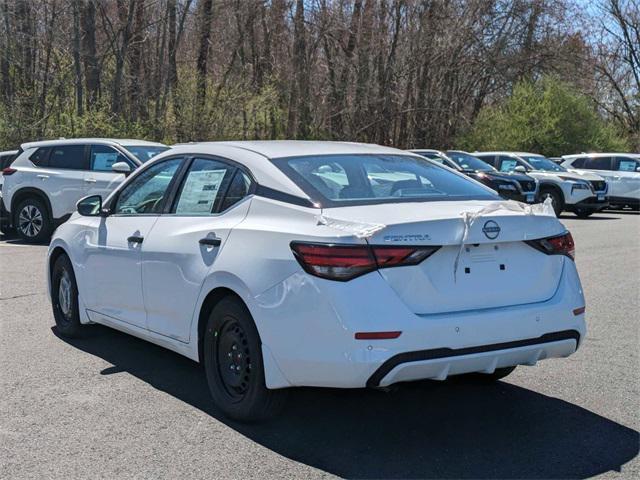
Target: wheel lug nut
238,368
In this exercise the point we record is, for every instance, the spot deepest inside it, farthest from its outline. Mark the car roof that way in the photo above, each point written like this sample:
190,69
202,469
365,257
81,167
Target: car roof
576,155
256,155
9,152
505,152
425,150
124,142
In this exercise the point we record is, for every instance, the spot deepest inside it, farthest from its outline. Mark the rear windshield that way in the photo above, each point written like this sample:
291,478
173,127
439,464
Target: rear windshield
335,180
144,153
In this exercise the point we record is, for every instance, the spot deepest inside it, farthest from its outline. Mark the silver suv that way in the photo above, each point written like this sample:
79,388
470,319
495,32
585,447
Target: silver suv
42,185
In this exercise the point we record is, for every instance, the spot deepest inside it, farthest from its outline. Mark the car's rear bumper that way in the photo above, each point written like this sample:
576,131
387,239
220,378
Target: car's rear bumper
624,201
439,363
308,325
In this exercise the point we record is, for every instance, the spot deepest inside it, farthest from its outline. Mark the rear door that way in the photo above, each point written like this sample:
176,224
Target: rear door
100,179
112,270
63,179
185,242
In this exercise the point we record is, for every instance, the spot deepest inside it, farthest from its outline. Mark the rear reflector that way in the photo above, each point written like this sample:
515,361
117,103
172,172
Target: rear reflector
556,245
8,171
579,311
377,335
344,262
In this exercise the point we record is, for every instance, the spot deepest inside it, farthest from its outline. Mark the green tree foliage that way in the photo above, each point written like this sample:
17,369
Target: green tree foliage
547,117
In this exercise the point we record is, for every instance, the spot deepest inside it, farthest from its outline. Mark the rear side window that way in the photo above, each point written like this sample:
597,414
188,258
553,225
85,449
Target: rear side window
5,160
40,158
238,189
102,157
578,163
69,157
598,163
335,180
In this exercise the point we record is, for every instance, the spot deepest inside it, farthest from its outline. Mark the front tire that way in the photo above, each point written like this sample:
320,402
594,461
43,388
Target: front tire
64,298
32,221
556,201
233,364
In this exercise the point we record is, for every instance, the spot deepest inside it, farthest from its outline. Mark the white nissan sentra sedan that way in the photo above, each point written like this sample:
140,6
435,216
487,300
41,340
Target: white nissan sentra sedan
280,264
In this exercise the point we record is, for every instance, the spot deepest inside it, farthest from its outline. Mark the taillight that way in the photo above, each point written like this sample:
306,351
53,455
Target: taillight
344,262
557,245
8,171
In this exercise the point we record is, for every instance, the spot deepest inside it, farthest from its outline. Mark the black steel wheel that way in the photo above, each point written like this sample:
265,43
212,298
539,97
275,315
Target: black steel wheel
233,364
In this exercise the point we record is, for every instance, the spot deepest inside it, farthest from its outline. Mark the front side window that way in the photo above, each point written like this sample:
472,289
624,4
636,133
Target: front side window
102,158
627,164
146,194
204,184
508,164
69,157
334,180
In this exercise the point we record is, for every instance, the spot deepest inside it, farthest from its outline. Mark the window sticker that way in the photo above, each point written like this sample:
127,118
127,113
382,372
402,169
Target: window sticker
508,165
627,166
103,161
200,191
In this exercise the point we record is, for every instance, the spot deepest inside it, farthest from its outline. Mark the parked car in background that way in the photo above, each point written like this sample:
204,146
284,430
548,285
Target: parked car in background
5,160
582,193
512,185
44,182
621,170
218,250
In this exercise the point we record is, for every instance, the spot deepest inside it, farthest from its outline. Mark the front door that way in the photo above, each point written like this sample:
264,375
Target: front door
113,247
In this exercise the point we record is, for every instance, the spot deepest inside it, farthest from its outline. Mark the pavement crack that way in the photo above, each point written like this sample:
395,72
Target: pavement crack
21,296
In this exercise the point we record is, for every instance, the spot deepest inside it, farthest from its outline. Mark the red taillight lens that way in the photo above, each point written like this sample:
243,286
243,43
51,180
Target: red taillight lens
558,245
8,171
344,262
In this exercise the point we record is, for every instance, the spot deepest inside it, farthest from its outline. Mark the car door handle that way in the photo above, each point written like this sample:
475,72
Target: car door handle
135,239
210,241
90,180
43,176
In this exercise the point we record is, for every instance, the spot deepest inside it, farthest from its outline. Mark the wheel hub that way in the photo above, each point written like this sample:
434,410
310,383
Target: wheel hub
64,294
30,221
234,361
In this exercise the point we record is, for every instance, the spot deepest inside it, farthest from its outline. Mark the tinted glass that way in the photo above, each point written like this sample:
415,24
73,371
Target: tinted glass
68,156
578,163
489,159
626,164
5,160
102,157
238,189
598,163
147,192
468,162
366,179
144,153
40,157
538,162
204,183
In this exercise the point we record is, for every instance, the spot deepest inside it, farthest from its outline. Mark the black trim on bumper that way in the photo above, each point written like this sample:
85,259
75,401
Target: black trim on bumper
435,353
591,203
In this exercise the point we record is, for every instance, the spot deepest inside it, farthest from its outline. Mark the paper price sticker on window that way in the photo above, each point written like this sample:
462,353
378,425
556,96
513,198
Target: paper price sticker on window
199,191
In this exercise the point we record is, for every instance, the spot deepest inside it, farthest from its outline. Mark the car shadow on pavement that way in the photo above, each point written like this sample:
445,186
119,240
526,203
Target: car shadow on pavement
453,429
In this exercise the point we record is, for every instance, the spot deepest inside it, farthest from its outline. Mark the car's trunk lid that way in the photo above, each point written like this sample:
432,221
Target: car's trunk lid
495,267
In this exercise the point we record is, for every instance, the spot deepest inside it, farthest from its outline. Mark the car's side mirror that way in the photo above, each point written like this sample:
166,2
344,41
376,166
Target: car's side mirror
637,169
90,206
121,167
520,168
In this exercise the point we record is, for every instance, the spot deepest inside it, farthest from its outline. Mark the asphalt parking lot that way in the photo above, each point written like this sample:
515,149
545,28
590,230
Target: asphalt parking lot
109,405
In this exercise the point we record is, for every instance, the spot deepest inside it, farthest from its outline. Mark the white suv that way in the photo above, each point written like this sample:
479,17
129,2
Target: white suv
582,193
41,187
621,170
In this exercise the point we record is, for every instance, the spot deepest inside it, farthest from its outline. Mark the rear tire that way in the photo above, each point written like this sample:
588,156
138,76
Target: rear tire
234,367
498,374
64,298
32,221
581,213
556,201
